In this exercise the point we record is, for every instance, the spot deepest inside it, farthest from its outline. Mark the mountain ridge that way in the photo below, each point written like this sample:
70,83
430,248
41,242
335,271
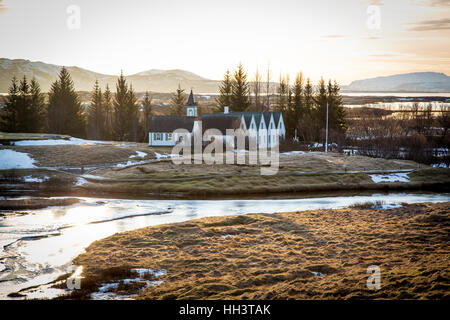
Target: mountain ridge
155,80
405,82
165,81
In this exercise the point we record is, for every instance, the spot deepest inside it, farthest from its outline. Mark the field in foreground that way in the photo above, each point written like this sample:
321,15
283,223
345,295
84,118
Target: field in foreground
320,254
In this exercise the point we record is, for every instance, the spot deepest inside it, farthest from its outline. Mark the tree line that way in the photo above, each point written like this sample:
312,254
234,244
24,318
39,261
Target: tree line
109,116
303,105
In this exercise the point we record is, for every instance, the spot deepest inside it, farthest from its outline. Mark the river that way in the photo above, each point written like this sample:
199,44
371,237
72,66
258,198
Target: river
37,246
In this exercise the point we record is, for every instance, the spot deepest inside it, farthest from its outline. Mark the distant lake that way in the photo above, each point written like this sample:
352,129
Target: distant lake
396,94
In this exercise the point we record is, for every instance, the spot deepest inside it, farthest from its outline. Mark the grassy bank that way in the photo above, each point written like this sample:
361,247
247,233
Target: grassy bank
298,173
322,254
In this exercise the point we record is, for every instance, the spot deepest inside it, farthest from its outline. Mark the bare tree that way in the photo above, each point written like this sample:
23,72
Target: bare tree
268,77
256,88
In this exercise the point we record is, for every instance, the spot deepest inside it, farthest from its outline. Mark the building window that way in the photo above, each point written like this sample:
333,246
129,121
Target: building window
169,136
158,136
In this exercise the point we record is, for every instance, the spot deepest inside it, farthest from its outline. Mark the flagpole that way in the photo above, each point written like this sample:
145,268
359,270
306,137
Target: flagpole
326,134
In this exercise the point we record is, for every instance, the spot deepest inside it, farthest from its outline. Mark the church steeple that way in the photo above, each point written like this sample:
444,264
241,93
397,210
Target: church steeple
191,106
191,100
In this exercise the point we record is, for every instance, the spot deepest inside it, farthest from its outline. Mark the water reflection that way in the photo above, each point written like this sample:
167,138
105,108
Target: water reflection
40,246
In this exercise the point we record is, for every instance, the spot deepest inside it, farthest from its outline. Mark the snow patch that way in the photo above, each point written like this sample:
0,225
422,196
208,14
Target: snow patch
10,159
105,293
138,154
392,177
80,181
57,142
30,179
290,153
439,165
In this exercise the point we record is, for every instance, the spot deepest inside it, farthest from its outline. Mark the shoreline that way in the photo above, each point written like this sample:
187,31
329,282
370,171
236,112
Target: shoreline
300,255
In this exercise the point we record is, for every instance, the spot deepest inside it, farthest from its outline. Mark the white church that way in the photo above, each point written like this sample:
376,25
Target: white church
267,128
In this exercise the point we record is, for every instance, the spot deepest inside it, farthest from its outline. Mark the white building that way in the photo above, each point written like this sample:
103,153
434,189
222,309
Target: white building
264,126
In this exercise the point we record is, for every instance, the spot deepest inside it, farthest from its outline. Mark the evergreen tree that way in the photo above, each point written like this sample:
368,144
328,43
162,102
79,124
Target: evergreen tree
309,97
339,122
240,90
225,92
282,104
178,101
125,111
133,108
147,114
298,108
96,114
65,113
37,108
321,100
10,115
108,109
25,107
23,115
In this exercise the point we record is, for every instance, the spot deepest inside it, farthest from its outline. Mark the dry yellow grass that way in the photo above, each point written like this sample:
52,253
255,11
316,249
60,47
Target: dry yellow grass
275,256
81,155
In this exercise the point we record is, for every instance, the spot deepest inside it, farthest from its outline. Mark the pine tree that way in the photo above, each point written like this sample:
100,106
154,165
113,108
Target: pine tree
321,100
339,111
178,101
133,109
37,108
225,92
298,107
65,113
23,115
240,90
282,104
108,109
9,115
96,114
125,111
309,97
147,114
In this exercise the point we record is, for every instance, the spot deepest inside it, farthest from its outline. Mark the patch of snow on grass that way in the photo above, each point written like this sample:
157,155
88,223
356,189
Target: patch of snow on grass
105,293
57,142
10,159
293,153
30,179
391,177
80,182
387,206
138,154
439,165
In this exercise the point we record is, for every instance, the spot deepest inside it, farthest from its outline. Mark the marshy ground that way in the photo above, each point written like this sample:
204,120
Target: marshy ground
321,254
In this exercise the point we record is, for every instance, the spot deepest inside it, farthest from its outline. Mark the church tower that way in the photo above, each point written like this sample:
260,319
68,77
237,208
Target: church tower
191,106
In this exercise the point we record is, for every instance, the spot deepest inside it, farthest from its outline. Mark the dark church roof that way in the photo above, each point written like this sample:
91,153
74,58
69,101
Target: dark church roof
191,100
218,121
171,123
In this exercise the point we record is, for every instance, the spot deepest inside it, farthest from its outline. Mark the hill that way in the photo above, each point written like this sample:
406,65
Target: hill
152,80
408,82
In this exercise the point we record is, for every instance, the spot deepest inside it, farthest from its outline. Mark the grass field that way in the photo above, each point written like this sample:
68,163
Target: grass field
320,254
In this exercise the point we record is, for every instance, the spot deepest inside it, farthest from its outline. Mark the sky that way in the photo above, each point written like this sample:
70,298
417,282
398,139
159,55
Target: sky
344,40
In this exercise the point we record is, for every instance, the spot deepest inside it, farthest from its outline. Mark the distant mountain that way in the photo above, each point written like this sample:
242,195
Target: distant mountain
151,80
409,82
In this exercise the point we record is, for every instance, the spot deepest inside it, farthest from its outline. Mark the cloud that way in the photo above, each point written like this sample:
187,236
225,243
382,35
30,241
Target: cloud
333,36
376,3
439,3
431,25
